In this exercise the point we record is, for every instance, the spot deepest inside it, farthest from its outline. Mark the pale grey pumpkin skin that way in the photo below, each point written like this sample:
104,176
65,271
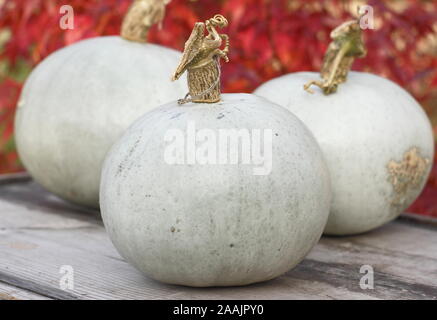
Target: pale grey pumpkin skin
215,225
367,123
79,100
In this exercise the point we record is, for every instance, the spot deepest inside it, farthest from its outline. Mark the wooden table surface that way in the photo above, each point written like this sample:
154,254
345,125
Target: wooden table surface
40,233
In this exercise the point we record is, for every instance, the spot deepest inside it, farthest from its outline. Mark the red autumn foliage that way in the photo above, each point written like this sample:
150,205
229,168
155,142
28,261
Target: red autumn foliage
268,38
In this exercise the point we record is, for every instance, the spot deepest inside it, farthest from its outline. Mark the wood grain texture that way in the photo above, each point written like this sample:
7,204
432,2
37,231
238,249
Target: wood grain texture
40,233
8,292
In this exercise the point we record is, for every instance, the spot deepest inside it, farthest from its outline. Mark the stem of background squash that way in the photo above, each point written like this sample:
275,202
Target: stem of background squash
141,16
347,44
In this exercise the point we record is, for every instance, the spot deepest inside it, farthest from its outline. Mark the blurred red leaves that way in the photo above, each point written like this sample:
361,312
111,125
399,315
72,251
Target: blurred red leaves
268,38
9,91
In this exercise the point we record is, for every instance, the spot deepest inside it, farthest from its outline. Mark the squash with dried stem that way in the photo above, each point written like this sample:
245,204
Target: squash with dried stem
80,99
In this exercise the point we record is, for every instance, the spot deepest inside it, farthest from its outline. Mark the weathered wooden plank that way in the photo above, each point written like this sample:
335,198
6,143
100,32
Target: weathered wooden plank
101,274
40,233
396,249
14,178
386,286
426,222
22,194
8,292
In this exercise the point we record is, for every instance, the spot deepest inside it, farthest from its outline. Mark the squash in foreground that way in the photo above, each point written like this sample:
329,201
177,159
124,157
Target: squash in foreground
214,190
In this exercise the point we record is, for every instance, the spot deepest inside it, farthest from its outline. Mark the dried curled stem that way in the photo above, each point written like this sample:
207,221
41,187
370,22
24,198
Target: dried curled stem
347,45
201,60
141,16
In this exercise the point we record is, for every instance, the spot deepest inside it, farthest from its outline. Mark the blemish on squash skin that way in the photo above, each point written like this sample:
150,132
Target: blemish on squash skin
172,229
407,174
134,147
176,116
122,166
